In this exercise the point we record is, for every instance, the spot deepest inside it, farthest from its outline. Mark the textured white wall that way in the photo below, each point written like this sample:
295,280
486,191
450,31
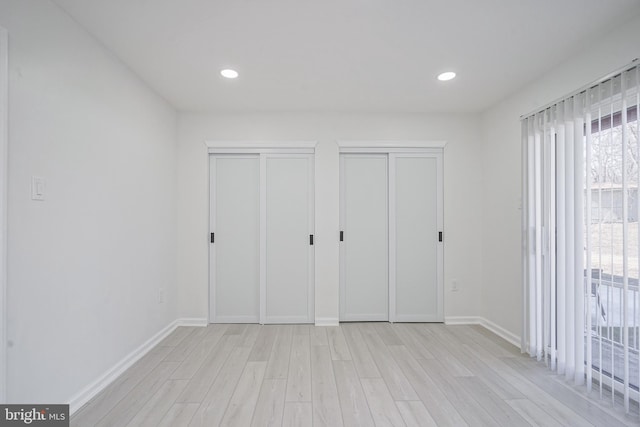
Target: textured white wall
502,288
84,265
462,189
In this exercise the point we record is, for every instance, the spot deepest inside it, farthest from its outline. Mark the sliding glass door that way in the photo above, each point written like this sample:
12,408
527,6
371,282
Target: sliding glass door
580,224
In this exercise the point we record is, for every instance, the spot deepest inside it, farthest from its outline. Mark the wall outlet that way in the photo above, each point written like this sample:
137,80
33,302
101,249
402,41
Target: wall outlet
454,286
160,295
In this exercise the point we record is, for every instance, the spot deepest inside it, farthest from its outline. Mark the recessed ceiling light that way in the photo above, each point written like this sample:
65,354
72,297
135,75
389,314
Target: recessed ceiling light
229,73
443,77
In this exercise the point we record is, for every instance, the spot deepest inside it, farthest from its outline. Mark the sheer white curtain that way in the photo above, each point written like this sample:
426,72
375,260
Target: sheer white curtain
580,234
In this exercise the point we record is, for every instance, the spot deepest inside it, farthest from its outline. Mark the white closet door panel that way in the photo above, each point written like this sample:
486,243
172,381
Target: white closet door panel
289,200
365,258
236,223
416,245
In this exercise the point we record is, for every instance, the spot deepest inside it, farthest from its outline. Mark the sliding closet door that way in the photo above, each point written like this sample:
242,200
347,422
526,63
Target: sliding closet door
364,256
288,289
416,250
235,248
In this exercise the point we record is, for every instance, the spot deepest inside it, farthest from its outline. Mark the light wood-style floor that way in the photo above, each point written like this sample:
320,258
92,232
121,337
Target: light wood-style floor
356,374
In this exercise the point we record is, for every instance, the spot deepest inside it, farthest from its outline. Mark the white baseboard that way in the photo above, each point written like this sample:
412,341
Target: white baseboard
327,321
487,324
236,319
462,320
501,332
365,318
92,390
193,321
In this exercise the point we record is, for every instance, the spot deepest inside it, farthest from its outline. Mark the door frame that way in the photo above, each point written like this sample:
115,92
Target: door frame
262,149
392,149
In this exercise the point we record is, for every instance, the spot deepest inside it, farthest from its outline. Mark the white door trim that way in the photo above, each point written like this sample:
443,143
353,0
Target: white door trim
4,187
263,238
258,147
388,146
391,182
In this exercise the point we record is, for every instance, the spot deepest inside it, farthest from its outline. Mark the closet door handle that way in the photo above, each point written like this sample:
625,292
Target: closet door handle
341,235
213,240
311,239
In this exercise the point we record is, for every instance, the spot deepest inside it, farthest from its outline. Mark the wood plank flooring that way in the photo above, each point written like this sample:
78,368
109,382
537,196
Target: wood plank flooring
355,374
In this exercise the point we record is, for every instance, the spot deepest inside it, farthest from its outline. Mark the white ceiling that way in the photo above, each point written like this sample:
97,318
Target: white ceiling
344,55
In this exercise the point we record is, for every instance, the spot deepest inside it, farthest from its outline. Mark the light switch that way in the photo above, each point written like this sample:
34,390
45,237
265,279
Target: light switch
38,186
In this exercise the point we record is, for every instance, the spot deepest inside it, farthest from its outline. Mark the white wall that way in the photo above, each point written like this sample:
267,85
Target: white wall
85,265
502,288
462,188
